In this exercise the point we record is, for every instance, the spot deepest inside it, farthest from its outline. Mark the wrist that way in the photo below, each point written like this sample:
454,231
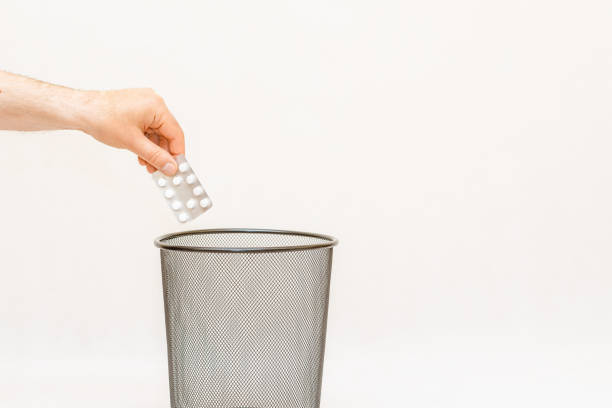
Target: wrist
86,111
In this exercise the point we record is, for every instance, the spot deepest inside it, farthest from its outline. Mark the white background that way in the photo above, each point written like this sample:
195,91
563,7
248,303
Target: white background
459,151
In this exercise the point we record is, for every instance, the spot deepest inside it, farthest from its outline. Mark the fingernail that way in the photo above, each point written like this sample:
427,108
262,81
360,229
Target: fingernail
169,169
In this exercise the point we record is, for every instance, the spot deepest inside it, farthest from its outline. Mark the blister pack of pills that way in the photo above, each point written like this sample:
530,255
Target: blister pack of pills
183,192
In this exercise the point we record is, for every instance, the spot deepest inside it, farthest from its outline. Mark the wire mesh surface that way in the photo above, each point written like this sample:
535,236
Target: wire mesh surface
245,329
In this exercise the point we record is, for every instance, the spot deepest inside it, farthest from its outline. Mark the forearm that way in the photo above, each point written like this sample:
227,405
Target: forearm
28,104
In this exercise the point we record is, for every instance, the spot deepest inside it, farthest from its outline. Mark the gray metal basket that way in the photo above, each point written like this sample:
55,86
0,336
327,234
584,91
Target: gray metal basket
246,316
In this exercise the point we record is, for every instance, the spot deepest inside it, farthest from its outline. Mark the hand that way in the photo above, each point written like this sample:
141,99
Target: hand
137,120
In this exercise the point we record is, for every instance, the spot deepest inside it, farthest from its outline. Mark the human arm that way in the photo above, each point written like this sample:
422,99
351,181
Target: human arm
134,119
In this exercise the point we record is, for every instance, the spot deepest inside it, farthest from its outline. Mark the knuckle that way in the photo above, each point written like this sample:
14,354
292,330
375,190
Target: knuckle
158,105
156,97
153,97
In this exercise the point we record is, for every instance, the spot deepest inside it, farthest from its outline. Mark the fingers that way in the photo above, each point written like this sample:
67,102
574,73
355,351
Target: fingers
155,156
171,130
147,166
161,141
155,139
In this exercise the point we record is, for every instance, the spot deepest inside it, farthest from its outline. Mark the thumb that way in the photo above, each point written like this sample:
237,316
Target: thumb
153,154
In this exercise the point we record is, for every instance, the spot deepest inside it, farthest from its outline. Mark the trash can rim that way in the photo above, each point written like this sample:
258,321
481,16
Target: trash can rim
159,241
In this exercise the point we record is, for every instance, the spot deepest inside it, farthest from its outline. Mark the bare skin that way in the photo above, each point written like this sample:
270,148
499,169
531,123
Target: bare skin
134,119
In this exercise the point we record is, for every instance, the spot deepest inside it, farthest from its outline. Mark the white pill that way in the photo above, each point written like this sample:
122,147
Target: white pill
205,202
161,182
183,217
169,193
176,205
191,179
177,180
197,191
183,167
191,203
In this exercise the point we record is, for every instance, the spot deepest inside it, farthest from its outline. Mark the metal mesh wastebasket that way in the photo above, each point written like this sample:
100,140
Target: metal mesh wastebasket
246,316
